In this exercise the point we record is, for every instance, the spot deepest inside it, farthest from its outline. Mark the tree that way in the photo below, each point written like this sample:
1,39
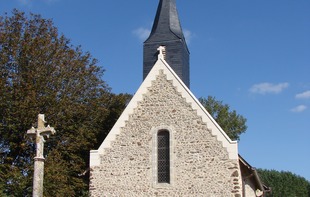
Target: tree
231,122
41,72
285,183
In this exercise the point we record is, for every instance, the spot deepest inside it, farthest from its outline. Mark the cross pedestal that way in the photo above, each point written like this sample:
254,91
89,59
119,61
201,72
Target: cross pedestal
39,134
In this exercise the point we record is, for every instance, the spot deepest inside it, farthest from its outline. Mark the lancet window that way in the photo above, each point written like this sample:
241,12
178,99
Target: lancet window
163,156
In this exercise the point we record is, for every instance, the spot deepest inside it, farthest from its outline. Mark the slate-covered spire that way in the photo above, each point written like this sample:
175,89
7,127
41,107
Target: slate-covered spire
167,32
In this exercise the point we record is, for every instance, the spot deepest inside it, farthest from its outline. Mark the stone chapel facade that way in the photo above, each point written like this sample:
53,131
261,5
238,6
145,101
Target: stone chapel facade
165,143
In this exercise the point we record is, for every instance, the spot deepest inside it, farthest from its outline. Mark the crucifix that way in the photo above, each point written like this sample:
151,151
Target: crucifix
39,134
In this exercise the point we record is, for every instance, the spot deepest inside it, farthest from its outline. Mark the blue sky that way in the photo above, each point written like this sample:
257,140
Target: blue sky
252,54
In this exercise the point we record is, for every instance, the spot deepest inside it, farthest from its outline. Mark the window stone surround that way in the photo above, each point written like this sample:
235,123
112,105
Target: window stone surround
154,132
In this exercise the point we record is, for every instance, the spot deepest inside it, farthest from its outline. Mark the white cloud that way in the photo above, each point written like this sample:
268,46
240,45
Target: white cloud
50,1
265,88
304,95
30,3
299,108
25,2
142,33
188,35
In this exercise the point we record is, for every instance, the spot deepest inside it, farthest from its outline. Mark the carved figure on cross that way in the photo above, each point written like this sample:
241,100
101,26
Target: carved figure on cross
39,134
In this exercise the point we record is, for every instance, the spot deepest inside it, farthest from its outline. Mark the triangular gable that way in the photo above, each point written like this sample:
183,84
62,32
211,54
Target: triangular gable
162,65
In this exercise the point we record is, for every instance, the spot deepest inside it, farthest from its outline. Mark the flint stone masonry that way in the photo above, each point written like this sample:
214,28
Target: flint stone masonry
200,165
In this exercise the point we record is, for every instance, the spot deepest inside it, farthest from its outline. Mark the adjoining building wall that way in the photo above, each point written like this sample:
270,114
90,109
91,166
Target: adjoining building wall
199,164
249,189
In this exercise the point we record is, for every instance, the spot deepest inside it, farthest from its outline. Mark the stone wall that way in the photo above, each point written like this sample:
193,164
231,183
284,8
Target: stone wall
200,166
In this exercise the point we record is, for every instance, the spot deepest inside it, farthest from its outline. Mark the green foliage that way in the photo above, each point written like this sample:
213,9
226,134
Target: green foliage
42,73
231,122
285,183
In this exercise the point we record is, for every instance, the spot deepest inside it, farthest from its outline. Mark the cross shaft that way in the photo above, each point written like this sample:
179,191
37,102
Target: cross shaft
39,134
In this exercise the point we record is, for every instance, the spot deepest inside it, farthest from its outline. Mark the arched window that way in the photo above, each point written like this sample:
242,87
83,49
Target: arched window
163,157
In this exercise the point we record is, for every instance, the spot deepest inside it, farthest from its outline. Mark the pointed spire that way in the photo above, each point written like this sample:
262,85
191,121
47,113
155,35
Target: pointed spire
167,21
167,32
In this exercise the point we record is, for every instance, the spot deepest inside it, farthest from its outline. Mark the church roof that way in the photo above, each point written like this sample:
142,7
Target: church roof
249,172
162,66
166,24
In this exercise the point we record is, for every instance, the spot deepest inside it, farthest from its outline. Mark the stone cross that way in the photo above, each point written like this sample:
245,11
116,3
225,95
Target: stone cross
162,52
39,135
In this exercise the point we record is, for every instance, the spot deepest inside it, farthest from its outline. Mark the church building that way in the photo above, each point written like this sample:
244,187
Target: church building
165,143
